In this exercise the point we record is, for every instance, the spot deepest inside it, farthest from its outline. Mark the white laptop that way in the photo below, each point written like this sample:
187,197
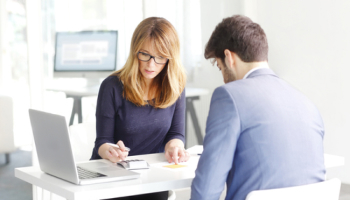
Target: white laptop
56,158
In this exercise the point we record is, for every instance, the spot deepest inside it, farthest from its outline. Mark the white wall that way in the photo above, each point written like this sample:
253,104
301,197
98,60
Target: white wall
4,72
309,47
208,76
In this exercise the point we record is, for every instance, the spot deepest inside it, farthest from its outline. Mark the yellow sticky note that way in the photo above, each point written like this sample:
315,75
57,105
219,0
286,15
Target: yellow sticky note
175,166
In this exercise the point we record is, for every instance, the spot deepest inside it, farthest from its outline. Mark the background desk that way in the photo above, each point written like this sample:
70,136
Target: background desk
155,179
77,94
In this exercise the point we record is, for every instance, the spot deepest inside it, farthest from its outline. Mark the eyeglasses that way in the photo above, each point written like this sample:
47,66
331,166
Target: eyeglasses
146,57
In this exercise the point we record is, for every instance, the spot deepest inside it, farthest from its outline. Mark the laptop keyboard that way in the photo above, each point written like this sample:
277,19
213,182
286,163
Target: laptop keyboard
86,174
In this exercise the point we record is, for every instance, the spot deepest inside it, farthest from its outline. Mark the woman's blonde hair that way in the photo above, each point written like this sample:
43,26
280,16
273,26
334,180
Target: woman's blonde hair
171,80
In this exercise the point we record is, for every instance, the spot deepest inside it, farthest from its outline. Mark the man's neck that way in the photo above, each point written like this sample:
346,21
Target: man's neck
253,65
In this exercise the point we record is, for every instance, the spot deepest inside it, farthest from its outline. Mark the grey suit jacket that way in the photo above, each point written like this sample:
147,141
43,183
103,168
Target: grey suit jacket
261,134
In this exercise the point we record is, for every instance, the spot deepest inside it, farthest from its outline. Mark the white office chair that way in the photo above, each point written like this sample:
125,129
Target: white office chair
82,138
7,143
326,190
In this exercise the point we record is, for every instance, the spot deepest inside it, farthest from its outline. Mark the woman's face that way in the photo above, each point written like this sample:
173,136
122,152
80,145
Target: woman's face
150,69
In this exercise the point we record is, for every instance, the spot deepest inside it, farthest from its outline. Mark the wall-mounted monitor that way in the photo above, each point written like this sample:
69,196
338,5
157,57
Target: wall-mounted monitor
86,54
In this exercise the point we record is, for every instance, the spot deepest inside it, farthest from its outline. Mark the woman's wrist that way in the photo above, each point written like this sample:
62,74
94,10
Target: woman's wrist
174,143
103,148
175,151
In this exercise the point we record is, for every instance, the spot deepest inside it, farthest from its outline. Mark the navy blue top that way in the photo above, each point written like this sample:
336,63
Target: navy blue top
144,129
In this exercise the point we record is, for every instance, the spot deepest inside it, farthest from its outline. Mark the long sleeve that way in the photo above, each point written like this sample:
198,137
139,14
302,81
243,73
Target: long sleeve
222,132
144,129
177,128
107,105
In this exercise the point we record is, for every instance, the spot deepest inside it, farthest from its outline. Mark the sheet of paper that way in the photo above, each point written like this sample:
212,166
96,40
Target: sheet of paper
198,149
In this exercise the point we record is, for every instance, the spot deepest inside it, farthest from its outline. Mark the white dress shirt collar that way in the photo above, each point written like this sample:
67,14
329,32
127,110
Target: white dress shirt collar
254,69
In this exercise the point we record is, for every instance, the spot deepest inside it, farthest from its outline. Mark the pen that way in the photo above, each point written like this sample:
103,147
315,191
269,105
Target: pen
199,154
117,146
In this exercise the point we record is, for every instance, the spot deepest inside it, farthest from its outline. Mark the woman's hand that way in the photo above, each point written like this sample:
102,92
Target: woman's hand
175,151
113,154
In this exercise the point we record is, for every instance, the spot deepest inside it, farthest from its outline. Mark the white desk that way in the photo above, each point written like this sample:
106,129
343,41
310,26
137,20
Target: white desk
333,161
155,179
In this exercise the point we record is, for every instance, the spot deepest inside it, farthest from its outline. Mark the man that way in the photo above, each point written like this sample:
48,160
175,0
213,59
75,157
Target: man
261,133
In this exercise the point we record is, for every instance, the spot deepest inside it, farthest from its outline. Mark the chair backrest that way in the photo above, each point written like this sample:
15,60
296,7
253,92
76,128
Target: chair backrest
7,143
326,190
82,137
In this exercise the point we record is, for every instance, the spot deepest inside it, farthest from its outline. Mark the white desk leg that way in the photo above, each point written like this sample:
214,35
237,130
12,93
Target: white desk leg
35,194
45,195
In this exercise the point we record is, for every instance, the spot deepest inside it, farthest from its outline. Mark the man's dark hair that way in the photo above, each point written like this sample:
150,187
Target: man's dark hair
240,35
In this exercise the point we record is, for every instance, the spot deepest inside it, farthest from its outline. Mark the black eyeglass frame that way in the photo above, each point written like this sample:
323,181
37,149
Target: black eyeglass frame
154,58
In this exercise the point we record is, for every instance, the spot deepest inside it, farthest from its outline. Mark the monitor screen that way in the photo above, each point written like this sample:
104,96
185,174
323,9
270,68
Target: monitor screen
79,54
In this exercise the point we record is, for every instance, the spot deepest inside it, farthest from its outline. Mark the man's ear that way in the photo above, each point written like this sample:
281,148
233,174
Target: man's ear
230,60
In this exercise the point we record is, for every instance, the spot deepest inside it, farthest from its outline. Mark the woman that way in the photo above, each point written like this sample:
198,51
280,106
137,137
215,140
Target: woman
142,106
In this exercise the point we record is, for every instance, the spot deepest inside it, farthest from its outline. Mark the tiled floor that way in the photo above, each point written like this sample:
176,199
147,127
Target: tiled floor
345,192
12,188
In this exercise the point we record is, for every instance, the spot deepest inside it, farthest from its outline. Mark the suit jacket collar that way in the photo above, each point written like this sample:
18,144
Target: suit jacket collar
261,72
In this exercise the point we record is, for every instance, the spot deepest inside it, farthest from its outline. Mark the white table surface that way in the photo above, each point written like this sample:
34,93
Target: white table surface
93,91
155,179
333,161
